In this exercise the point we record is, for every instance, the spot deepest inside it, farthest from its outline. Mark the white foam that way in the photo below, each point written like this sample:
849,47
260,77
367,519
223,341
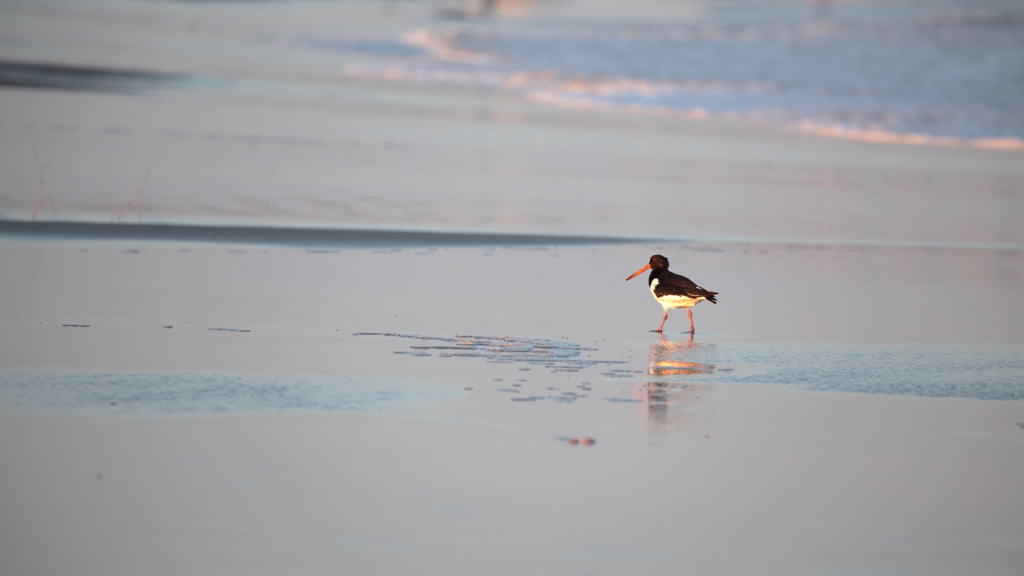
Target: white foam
440,46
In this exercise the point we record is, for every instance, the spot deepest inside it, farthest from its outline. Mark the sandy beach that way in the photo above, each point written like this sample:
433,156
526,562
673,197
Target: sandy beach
265,312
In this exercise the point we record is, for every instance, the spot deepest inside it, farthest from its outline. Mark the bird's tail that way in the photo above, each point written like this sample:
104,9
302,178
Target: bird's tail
711,297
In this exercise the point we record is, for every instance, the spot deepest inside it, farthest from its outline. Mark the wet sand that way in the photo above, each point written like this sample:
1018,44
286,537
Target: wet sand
268,319
754,478
413,411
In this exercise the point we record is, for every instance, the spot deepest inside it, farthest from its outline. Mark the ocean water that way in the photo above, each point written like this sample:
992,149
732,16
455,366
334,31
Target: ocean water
949,73
256,124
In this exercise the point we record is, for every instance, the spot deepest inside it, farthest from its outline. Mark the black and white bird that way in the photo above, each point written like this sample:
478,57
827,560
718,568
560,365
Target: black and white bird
672,290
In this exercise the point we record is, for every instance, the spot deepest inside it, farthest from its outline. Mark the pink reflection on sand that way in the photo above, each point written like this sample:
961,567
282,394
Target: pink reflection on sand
887,137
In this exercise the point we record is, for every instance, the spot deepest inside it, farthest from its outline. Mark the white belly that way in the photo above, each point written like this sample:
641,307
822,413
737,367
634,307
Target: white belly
671,301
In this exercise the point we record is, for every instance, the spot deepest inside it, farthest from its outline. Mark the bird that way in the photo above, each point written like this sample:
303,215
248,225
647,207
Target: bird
672,290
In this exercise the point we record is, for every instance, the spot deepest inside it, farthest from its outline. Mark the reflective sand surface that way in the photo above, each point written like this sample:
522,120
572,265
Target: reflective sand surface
312,406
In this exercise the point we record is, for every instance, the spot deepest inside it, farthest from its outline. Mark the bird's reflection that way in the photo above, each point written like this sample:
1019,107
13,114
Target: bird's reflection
672,404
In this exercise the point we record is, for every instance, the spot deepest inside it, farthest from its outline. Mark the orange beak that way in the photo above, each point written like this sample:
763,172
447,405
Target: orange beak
637,273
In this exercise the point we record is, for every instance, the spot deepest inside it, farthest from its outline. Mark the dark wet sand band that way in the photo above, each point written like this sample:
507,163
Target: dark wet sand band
298,237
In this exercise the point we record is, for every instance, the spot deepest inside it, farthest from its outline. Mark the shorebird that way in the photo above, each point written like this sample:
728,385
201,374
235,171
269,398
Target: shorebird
672,290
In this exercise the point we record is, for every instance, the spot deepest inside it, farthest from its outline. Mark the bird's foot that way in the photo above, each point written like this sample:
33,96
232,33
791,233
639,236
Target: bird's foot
658,331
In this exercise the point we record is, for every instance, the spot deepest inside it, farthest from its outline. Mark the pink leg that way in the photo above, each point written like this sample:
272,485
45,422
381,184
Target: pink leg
690,314
663,318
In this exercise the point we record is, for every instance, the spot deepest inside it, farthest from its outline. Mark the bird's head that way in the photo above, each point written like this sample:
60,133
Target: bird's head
658,262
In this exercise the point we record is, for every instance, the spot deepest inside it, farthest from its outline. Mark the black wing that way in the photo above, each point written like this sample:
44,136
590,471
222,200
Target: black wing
670,283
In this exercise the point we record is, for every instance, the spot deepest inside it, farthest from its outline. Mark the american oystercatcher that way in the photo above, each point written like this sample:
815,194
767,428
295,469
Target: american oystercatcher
672,290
